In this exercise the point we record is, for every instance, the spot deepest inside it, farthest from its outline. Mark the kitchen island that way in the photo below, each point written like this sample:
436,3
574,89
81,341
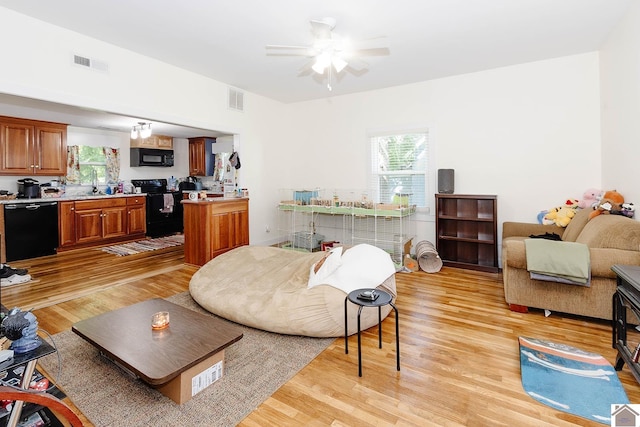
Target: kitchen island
213,226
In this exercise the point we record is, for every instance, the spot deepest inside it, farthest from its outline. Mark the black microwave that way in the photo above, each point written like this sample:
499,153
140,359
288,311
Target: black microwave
151,157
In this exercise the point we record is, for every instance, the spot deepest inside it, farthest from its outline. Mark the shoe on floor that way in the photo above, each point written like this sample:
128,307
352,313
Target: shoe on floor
15,279
6,268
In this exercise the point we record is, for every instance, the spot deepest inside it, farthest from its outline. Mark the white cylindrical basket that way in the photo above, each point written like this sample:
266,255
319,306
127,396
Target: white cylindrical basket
428,258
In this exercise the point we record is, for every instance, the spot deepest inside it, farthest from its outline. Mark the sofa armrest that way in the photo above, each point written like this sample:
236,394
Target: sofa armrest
523,229
602,259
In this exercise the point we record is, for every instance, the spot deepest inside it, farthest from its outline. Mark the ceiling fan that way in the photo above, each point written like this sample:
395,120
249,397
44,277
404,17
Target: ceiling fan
330,52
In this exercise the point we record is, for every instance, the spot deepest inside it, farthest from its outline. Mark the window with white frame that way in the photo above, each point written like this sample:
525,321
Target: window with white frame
399,167
93,165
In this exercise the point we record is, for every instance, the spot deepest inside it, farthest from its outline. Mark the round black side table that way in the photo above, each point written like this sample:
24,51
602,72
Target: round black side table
383,299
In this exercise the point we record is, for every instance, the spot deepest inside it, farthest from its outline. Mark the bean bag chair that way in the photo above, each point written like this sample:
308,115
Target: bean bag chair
290,292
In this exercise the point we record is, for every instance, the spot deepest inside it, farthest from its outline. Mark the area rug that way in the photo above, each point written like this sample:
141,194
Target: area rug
255,367
569,379
144,245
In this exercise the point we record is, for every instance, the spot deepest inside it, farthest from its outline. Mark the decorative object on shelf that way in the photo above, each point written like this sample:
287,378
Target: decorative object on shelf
445,181
141,130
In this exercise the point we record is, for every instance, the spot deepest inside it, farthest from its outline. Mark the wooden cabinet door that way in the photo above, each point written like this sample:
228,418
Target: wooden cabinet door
220,232
16,149
164,142
88,225
239,228
50,150
66,223
196,156
114,222
136,219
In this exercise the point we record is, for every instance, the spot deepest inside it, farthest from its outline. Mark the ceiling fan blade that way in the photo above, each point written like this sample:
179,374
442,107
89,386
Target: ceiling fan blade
285,50
366,52
366,44
285,46
357,64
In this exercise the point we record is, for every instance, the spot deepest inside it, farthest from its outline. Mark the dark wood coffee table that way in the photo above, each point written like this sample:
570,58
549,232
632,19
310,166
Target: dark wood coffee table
179,361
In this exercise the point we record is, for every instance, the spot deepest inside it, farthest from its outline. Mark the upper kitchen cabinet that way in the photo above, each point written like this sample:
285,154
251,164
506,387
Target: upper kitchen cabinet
201,159
30,147
161,142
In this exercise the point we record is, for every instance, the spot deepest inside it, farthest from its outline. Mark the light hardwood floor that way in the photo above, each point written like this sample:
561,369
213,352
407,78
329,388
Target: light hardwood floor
459,350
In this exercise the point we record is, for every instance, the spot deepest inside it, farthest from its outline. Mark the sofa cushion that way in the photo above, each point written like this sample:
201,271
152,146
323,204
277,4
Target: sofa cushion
611,231
575,226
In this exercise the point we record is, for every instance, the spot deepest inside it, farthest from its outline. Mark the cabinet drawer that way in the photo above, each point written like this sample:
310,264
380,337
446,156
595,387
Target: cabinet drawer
136,201
101,203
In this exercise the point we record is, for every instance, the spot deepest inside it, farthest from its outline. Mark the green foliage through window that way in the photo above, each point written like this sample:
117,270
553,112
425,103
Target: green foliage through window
93,165
399,167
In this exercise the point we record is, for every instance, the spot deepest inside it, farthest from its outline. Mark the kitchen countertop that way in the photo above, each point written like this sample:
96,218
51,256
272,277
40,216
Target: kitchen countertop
214,200
69,198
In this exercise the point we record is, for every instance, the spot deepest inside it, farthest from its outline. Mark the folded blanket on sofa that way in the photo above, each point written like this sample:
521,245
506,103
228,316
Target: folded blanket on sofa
564,260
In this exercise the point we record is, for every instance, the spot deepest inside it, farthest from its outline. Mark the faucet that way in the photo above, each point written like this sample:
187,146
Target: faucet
94,181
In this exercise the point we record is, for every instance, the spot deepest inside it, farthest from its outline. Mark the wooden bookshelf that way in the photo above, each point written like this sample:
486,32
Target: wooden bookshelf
467,230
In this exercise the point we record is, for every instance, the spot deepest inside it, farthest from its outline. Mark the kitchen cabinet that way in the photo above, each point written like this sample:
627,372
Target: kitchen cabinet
67,223
161,142
212,228
467,230
30,147
201,158
136,215
94,222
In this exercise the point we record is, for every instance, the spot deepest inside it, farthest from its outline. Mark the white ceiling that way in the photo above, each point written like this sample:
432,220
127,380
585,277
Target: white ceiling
427,39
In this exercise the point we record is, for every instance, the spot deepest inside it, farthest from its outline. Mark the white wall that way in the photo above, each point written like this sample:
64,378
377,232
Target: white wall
528,133
620,81
39,65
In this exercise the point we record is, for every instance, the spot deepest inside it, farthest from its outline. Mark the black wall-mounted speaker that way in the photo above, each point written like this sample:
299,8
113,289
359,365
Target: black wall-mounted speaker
445,181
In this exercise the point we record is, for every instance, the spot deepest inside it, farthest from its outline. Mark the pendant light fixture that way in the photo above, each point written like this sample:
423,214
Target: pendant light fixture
141,130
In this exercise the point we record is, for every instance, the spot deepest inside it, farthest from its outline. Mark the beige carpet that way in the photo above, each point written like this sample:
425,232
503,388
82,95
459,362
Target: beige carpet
255,367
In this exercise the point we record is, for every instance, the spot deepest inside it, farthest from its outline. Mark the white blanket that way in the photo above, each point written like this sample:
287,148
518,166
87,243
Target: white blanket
362,266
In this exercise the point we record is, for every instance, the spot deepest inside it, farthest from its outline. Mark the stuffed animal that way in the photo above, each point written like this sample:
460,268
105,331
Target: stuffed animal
611,201
562,215
590,198
628,210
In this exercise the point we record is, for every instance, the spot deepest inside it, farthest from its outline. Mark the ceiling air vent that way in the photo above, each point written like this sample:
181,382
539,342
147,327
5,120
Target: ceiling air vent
94,64
236,99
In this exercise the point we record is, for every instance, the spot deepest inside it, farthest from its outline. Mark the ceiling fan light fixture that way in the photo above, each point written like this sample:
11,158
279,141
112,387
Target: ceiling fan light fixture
322,62
338,63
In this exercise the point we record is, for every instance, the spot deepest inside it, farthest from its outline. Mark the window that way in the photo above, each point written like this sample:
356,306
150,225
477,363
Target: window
93,165
399,167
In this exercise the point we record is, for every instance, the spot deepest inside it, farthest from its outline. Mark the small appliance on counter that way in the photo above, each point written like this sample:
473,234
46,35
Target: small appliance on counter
28,188
190,183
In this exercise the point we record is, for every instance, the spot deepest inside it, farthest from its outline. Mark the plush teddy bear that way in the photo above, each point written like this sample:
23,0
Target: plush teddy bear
628,210
562,215
590,198
611,201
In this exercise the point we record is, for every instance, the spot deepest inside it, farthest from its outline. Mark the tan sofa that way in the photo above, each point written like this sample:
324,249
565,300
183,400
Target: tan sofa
612,239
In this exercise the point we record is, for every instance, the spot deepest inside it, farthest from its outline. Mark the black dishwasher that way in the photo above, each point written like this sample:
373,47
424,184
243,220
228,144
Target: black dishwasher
31,229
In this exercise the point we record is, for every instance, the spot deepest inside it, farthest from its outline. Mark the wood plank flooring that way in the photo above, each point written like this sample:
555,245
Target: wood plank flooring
459,350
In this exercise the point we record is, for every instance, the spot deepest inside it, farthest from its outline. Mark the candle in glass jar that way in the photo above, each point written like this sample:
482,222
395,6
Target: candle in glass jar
160,320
